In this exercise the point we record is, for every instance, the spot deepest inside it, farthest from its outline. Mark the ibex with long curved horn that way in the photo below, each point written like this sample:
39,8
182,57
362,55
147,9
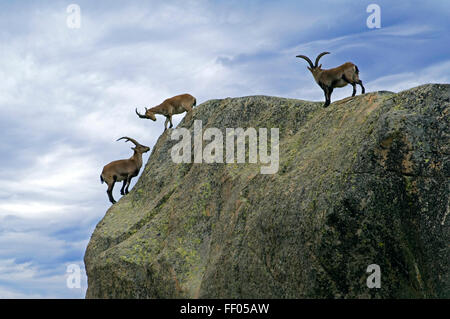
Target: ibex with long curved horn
123,170
174,105
338,77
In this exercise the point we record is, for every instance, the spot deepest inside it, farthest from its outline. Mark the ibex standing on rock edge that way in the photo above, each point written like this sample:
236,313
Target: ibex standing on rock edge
338,77
123,170
174,105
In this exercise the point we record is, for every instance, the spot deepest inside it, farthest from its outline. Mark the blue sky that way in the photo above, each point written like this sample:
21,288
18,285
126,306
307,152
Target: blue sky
68,94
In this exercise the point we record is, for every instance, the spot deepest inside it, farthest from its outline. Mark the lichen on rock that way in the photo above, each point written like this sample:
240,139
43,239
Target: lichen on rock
364,181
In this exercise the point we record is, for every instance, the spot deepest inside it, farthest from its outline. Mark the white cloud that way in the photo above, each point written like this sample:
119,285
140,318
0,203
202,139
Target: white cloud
436,73
34,285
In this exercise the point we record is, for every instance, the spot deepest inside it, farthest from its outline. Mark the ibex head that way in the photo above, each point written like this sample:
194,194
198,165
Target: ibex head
148,115
313,67
139,148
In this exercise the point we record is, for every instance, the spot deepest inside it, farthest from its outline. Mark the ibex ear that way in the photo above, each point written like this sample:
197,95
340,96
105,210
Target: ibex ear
309,68
320,66
133,148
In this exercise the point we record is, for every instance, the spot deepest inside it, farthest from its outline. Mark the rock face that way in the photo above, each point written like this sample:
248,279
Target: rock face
364,181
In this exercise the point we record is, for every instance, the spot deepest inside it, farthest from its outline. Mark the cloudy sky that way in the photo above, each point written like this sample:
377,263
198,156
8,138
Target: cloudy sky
67,94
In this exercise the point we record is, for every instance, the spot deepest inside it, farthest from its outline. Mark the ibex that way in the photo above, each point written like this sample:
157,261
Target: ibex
174,105
123,170
338,77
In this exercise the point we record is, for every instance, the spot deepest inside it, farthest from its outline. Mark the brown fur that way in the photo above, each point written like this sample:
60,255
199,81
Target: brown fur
123,170
338,77
174,105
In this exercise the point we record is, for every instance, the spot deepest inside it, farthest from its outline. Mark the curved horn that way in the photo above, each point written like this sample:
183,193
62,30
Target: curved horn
140,115
319,56
126,138
307,60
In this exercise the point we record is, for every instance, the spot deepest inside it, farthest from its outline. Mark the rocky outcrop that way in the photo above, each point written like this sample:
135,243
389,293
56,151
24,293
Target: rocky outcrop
364,181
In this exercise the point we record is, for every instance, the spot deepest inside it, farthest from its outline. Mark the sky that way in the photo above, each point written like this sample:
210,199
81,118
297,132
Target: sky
67,94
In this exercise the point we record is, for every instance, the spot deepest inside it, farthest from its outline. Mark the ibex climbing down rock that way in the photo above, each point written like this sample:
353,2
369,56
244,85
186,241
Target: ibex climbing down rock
123,170
174,105
338,77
